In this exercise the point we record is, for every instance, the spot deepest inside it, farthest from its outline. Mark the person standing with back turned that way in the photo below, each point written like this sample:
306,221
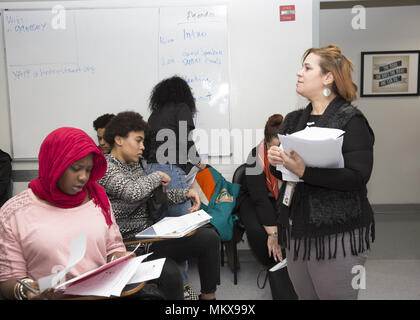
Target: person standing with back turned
325,226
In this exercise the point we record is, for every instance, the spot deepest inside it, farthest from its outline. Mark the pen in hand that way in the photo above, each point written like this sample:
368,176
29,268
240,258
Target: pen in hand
27,286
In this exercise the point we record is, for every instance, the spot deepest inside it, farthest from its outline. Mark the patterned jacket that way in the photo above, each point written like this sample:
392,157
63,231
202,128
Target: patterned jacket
128,187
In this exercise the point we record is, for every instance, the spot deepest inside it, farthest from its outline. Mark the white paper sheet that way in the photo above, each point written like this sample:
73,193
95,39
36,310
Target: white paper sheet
318,147
148,271
176,227
279,265
77,252
109,282
96,270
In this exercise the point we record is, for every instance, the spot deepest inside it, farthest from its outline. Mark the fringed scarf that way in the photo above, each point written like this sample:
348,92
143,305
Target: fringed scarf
321,215
58,151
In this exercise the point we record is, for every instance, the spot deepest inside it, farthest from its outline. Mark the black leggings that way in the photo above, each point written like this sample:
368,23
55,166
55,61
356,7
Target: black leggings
203,245
170,282
167,287
255,232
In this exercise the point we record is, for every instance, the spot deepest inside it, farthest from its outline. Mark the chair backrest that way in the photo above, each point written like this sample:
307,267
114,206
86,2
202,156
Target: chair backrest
239,174
5,177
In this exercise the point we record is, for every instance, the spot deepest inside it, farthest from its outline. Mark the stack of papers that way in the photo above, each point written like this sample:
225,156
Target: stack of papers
106,280
176,227
112,281
318,147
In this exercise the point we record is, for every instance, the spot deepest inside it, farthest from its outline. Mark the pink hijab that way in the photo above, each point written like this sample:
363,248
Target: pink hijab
59,150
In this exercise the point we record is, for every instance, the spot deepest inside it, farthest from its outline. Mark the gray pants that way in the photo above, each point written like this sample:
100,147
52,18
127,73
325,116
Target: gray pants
325,279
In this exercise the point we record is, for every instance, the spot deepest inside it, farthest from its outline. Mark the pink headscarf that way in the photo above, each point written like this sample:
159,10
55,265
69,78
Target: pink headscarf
58,151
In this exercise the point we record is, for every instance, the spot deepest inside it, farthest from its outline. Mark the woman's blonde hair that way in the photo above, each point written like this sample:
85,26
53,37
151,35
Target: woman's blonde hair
341,67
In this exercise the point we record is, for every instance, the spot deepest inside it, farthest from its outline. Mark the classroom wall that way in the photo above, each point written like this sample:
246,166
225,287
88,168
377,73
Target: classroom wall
264,57
395,120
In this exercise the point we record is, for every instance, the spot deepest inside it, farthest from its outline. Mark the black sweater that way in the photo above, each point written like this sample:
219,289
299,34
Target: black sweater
358,160
255,187
331,201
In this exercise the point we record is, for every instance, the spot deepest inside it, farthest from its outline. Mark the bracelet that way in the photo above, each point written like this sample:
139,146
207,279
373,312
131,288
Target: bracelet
22,292
273,234
19,292
16,291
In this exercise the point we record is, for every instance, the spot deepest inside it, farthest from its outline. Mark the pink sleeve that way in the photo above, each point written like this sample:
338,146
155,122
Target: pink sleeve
12,261
114,240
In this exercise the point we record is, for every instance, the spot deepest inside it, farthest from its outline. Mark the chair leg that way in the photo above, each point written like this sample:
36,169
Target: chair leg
235,262
222,254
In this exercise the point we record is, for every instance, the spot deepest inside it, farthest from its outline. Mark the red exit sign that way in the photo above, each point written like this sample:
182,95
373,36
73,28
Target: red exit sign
287,13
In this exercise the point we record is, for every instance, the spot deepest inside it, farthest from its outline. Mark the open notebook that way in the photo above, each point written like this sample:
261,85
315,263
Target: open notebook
176,227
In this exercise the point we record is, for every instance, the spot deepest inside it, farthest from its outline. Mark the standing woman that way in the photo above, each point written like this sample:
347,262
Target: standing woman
168,148
326,226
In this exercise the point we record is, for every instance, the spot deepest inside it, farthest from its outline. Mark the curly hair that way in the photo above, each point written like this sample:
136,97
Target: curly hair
102,121
122,124
173,90
272,127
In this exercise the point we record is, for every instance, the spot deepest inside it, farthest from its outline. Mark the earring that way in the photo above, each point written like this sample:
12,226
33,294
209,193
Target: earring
326,92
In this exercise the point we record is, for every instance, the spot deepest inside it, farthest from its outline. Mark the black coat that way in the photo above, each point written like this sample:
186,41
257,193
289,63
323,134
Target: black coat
255,187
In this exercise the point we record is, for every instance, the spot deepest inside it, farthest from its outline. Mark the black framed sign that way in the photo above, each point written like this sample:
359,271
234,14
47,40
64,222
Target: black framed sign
390,73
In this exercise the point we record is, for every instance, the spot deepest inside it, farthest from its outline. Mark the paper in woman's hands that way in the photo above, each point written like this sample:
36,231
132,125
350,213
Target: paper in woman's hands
77,252
112,281
318,147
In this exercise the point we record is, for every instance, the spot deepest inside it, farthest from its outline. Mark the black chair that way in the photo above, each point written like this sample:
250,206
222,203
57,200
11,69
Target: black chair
238,231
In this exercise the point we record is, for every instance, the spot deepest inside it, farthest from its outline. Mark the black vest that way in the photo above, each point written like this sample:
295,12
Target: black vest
316,211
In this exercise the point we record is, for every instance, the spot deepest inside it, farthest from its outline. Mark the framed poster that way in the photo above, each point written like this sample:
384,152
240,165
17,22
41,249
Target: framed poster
389,73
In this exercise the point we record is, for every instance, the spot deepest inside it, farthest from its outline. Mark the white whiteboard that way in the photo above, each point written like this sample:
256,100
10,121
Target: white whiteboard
104,61
193,43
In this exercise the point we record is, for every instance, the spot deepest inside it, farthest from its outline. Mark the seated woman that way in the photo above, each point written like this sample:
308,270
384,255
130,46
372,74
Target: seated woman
258,198
128,186
172,107
37,226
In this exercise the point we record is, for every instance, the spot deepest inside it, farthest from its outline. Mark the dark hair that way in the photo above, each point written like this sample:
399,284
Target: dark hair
102,121
173,90
122,124
272,127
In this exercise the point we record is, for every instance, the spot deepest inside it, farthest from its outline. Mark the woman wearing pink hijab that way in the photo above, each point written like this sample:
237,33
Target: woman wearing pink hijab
37,225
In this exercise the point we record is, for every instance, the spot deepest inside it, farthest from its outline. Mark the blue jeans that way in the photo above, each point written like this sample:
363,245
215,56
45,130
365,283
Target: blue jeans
178,181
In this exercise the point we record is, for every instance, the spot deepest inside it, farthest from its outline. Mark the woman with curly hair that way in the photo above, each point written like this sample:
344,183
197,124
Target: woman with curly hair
128,187
169,147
